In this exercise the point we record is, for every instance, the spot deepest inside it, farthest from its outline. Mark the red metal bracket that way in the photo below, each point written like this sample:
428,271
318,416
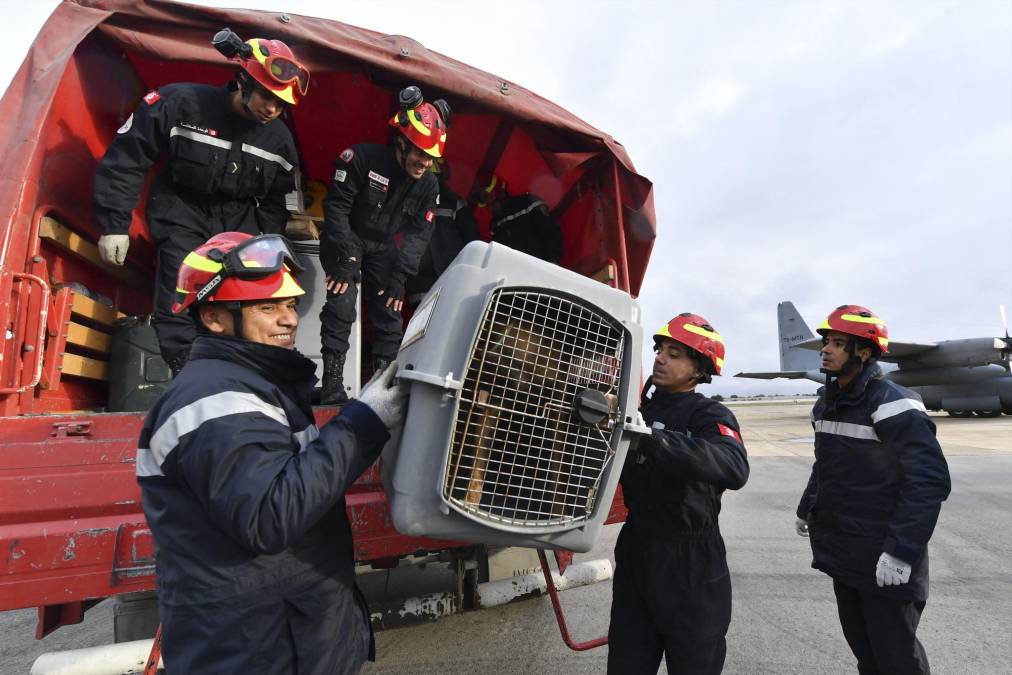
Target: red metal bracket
151,667
560,615
52,617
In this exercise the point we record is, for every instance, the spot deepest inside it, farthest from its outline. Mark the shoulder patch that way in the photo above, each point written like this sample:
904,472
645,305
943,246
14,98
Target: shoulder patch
126,125
728,431
429,215
347,155
152,97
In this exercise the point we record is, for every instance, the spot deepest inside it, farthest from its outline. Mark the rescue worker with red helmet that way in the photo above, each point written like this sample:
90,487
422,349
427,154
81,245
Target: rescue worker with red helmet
874,495
378,218
672,588
244,495
228,165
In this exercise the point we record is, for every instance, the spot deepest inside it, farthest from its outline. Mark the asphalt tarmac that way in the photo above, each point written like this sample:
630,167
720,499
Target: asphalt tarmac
784,617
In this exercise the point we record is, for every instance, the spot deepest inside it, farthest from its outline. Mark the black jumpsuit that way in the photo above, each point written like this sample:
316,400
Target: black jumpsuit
222,173
377,214
672,589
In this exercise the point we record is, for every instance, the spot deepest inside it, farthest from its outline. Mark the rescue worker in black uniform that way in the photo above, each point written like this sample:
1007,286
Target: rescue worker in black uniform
874,495
453,228
378,217
228,165
243,493
672,588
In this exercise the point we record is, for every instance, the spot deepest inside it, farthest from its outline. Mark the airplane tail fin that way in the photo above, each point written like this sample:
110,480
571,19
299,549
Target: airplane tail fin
794,330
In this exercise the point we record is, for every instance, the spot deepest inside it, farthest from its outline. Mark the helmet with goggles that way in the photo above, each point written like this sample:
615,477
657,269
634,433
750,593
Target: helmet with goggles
269,62
235,267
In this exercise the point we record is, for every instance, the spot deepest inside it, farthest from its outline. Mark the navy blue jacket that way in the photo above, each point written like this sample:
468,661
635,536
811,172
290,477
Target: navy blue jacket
244,497
877,485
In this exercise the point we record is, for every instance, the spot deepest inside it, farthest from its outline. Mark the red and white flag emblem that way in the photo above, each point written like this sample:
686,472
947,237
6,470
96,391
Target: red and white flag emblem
429,215
728,431
151,97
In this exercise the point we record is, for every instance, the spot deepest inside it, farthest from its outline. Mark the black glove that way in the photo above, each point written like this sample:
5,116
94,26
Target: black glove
395,287
346,272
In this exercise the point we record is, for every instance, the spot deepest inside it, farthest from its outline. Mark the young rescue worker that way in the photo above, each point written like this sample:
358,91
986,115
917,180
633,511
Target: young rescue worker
672,589
378,194
873,499
243,494
228,165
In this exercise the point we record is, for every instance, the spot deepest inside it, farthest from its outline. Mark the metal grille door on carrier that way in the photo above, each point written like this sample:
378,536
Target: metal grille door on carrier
538,410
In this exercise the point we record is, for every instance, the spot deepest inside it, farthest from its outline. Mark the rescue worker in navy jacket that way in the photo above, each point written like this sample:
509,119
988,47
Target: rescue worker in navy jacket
378,217
873,499
243,494
672,588
228,165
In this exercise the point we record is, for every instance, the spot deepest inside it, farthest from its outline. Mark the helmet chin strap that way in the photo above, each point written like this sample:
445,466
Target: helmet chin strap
235,309
245,89
852,360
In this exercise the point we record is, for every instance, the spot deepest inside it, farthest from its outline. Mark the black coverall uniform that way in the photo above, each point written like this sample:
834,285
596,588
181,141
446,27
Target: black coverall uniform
222,173
454,227
672,589
877,485
376,213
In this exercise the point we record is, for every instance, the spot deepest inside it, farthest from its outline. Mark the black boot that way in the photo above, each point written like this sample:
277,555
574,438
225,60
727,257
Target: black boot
177,361
333,380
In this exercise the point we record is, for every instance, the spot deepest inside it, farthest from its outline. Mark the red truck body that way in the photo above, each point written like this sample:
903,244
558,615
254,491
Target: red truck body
71,526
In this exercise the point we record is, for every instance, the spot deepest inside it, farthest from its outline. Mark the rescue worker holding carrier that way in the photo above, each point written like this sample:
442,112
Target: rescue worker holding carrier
874,495
243,494
228,165
672,588
378,193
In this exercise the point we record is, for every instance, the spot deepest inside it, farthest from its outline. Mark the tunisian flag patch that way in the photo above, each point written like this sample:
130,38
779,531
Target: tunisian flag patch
728,431
151,97
429,215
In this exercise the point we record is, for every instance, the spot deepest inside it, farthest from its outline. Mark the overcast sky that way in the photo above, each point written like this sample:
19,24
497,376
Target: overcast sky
820,152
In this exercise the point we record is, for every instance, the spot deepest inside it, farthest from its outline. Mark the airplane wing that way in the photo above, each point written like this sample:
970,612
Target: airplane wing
897,350
788,374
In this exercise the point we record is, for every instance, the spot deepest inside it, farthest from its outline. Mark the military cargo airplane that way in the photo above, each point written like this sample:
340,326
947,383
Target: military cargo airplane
961,377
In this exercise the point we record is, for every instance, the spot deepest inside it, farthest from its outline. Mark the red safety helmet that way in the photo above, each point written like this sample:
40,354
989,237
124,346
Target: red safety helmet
696,333
857,321
235,266
274,66
424,127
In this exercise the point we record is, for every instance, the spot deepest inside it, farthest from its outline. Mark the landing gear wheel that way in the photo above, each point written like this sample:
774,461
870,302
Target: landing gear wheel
987,413
960,413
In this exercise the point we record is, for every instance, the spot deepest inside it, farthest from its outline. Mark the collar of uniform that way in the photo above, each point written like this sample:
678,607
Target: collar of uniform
855,389
672,397
277,364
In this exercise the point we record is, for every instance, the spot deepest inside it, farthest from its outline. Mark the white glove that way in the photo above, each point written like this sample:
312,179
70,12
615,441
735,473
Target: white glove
891,571
113,248
801,526
384,397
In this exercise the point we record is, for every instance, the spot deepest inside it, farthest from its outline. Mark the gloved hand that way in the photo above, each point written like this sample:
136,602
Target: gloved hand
394,291
112,248
801,526
346,273
386,398
891,571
